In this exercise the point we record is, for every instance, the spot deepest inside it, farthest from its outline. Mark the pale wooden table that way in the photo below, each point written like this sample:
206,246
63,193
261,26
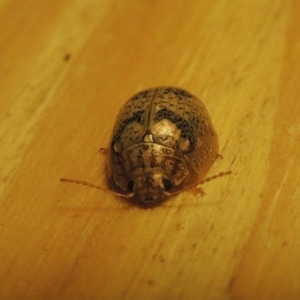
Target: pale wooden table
66,67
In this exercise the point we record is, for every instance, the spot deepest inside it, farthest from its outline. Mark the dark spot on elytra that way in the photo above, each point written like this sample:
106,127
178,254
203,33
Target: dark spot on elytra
136,118
144,94
140,96
177,92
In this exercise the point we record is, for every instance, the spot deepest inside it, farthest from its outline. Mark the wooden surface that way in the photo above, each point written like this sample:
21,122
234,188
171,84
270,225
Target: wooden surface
66,68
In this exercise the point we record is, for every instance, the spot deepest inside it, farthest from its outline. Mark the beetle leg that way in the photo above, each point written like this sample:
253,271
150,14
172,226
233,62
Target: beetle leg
103,151
196,191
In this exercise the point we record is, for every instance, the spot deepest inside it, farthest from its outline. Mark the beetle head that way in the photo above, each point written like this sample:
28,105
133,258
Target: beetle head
150,188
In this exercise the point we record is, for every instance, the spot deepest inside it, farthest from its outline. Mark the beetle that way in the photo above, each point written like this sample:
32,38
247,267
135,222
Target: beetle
163,142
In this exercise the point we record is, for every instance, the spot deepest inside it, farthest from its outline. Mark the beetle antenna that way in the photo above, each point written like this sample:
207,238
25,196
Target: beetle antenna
215,176
98,187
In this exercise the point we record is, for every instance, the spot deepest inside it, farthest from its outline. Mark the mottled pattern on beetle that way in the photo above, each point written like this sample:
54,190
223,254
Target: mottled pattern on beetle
149,158
192,132
177,106
132,120
162,118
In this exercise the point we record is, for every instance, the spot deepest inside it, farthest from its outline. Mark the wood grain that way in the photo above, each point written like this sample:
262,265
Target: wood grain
66,67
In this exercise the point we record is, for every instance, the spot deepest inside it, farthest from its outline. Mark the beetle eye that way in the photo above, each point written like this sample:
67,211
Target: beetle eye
130,185
167,183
